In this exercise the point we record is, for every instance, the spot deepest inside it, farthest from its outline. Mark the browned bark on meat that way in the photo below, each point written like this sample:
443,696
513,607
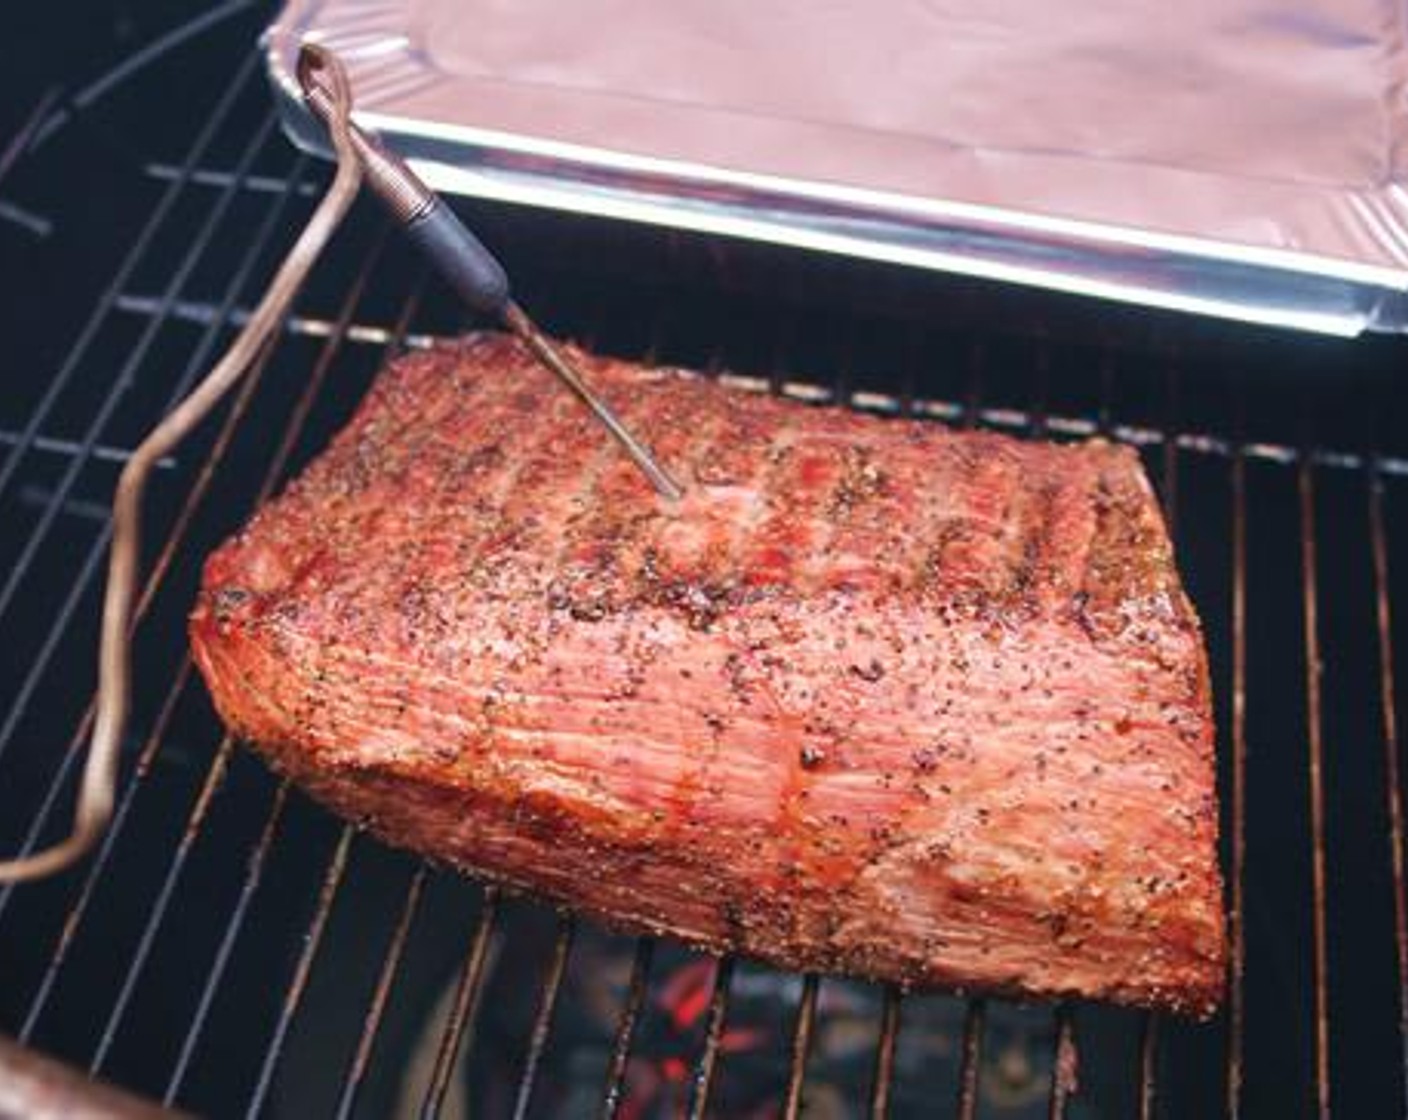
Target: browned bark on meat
876,697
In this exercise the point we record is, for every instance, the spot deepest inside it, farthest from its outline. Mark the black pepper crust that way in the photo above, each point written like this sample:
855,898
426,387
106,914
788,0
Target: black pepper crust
876,697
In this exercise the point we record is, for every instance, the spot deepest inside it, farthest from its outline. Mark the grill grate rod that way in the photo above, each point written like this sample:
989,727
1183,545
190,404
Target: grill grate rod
293,993
101,453
974,1023
253,877
390,965
1169,497
1388,700
305,326
1236,920
214,779
459,1027
19,143
1063,1069
882,1084
614,1091
194,499
542,1022
209,177
702,1081
107,300
1315,745
801,1045
1148,1066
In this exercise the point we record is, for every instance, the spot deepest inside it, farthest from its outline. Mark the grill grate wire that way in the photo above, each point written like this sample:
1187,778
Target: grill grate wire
351,327
1236,1007
391,962
1392,779
459,1027
1315,760
626,1028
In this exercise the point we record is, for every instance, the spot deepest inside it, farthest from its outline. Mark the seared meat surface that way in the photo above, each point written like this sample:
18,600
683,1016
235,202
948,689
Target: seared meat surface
876,697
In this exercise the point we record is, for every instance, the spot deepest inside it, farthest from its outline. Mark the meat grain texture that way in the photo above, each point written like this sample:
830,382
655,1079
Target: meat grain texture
876,697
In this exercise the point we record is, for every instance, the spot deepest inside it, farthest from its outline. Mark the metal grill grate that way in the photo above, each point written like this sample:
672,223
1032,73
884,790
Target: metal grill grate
231,949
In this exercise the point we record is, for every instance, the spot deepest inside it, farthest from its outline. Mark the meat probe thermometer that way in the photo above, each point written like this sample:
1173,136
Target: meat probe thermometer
461,258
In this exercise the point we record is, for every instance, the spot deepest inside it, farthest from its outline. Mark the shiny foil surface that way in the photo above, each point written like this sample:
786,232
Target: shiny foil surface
1229,158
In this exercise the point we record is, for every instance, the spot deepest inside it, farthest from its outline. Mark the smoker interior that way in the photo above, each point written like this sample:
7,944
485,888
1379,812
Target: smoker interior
233,949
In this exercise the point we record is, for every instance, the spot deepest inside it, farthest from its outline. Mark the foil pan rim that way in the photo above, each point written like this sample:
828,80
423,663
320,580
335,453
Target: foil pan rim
1271,284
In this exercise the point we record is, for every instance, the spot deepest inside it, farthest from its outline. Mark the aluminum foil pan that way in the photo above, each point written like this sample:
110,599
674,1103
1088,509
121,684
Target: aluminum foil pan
1220,156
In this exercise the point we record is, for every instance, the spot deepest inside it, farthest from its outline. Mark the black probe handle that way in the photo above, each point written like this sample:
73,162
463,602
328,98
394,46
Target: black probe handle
461,258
